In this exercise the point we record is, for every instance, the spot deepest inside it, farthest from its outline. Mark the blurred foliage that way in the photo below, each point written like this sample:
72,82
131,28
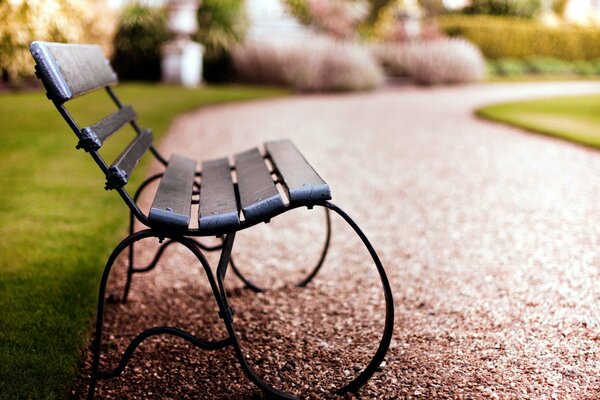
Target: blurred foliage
22,22
511,8
299,9
431,62
376,6
140,34
543,66
559,6
388,27
501,37
507,67
433,7
338,18
222,24
317,64
549,66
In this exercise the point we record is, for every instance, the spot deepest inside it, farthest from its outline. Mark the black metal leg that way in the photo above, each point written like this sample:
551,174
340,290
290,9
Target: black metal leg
100,310
96,374
378,357
227,313
255,288
384,344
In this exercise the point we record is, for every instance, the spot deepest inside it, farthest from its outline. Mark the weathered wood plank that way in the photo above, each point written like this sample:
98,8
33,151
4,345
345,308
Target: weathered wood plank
218,205
120,170
69,70
301,181
258,194
172,202
94,136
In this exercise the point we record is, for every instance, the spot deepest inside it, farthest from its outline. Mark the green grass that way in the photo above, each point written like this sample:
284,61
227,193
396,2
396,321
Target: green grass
573,118
58,225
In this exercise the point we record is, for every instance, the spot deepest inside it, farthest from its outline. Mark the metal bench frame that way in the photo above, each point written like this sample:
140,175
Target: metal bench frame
68,71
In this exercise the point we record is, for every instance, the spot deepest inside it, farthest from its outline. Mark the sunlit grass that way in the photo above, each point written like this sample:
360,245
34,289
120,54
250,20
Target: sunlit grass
58,225
574,118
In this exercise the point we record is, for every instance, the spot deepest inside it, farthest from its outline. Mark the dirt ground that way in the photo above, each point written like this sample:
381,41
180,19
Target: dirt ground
488,235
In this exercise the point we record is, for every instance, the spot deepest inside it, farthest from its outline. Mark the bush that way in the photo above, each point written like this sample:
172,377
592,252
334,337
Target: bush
513,67
434,62
51,20
222,24
314,64
509,67
586,68
141,32
338,18
499,37
549,66
514,8
392,58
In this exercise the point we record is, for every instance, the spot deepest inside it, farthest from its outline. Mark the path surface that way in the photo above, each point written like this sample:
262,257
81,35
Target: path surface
489,235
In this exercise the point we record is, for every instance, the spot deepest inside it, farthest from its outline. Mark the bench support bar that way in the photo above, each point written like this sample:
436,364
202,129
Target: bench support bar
216,282
257,289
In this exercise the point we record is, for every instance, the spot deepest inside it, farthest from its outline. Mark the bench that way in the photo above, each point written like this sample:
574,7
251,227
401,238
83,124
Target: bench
231,196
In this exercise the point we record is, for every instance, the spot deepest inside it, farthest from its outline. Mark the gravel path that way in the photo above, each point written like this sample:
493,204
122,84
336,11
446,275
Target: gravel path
488,234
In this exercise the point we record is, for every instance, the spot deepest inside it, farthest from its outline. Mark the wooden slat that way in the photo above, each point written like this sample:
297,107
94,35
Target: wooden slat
69,70
301,181
258,195
172,202
94,136
218,205
120,170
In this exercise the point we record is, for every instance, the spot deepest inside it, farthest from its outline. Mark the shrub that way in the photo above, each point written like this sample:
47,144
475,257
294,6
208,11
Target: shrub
51,20
510,67
586,68
549,66
434,62
338,18
140,34
391,25
392,58
499,37
314,64
514,8
299,9
222,24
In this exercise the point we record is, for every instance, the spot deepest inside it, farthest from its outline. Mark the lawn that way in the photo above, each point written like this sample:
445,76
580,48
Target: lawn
574,118
57,227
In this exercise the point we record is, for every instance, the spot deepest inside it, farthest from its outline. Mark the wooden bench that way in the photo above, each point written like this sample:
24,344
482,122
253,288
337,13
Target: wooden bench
231,197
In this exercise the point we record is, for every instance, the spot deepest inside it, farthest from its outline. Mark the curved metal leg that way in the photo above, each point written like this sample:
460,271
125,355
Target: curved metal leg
257,289
133,270
100,310
226,312
384,344
127,242
378,357
227,318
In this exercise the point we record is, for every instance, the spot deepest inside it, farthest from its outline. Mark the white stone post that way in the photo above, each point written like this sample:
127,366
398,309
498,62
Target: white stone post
181,57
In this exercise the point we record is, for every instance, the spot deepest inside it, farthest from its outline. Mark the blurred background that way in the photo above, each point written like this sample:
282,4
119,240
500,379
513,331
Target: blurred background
52,250
319,45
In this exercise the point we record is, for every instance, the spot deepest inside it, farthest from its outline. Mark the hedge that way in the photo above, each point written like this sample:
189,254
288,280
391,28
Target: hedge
502,37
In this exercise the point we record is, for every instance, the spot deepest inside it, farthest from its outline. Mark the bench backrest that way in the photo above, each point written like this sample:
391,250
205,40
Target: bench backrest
70,70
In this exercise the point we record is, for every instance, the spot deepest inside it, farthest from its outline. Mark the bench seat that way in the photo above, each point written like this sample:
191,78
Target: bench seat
233,195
